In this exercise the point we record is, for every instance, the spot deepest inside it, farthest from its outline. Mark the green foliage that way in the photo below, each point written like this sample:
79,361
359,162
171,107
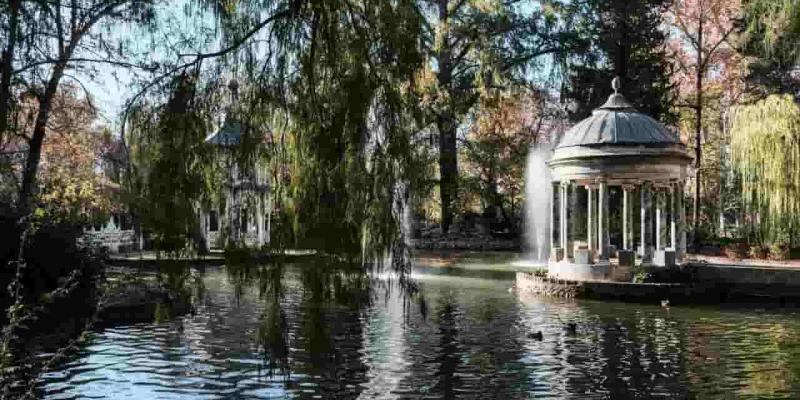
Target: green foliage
347,146
778,252
640,274
474,47
771,38
506,124
765,148
539,272
719,184
161,313
618,38
171,163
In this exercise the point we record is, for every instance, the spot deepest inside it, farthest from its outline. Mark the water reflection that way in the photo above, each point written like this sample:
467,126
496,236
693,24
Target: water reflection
325,329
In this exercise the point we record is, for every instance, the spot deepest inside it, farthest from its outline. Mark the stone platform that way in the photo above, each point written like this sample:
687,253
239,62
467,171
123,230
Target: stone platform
601,271
691,283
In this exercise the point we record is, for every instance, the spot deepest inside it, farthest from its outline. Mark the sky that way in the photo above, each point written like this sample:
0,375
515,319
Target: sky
111,87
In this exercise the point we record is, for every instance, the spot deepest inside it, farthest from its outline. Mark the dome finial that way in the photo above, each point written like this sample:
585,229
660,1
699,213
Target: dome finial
616,83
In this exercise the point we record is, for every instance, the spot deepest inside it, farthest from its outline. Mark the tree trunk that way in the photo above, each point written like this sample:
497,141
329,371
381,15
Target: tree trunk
698,151
7,65
623,45
448,170
25,206
201,231
24,203
448,155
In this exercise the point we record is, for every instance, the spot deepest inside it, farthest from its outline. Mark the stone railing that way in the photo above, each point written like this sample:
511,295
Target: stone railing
115,241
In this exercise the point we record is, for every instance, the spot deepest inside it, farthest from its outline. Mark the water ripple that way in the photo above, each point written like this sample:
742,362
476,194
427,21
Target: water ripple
472,342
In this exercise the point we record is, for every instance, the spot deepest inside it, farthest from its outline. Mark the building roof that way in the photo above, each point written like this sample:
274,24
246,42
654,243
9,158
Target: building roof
619,145
228,135
617,122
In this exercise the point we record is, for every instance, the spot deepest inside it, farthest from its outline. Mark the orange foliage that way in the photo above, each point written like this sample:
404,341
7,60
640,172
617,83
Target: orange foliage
72,184
506,126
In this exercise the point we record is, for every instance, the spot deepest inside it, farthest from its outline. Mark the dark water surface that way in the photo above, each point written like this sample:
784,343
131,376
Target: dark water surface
338,335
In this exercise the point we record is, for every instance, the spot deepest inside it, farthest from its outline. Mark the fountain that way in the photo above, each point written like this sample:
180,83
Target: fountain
616,146
538,195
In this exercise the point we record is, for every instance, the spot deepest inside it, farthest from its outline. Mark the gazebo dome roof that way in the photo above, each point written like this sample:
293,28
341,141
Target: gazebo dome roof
229,134
619,144
618,123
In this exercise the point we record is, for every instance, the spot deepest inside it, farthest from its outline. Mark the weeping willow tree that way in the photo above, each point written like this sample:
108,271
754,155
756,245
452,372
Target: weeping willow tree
765,147
343,74
170,175
770,38
330,90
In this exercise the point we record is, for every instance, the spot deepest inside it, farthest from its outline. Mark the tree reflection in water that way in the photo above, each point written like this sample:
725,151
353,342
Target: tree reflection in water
326,328
323,340
448,357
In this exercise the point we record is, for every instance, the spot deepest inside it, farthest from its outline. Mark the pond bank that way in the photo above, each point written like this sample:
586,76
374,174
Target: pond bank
51,325
473,339
691,283
141,301
466,242
150,261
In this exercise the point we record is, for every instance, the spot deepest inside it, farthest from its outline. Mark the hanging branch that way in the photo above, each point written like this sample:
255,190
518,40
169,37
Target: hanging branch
765,147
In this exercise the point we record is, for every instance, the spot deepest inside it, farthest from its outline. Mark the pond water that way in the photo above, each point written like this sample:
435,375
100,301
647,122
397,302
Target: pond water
295,332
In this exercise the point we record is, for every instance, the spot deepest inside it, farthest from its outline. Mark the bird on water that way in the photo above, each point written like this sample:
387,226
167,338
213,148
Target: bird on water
536,335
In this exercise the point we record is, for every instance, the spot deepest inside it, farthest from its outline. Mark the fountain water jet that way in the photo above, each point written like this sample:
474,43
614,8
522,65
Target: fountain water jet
538,197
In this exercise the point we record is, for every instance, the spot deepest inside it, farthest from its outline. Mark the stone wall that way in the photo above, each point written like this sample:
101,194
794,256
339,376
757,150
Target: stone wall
651,293
735,274
215,237
116,241
532,283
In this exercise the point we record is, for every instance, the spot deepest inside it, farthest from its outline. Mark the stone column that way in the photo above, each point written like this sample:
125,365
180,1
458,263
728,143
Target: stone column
230,217
673,209
573,212
646,222
627,221
681,223
269,216
562,218
260,218
553,193
204,224
602,221
590,218
659,197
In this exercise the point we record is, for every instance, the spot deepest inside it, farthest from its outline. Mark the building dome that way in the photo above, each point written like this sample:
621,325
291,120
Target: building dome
618,143
618,123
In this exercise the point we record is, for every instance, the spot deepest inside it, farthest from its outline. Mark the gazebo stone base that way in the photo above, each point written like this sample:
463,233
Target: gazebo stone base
557,254
580,272
664,258
646,253
627,258
583,257
621,273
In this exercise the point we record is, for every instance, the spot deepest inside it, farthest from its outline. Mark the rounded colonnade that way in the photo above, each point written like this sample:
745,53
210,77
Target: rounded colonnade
617,147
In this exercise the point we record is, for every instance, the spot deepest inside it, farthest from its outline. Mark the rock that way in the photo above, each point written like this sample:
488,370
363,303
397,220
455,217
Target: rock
536,336
137,302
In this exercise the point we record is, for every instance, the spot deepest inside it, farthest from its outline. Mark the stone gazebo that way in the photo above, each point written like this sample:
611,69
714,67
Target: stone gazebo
244,214
617,147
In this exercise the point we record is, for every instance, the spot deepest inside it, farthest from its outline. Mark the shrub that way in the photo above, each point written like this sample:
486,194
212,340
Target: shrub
736,251
758,252
540,272
778,252
640,274
51,252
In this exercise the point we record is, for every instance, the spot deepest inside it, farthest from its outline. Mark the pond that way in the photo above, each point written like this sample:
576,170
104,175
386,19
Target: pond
294,332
